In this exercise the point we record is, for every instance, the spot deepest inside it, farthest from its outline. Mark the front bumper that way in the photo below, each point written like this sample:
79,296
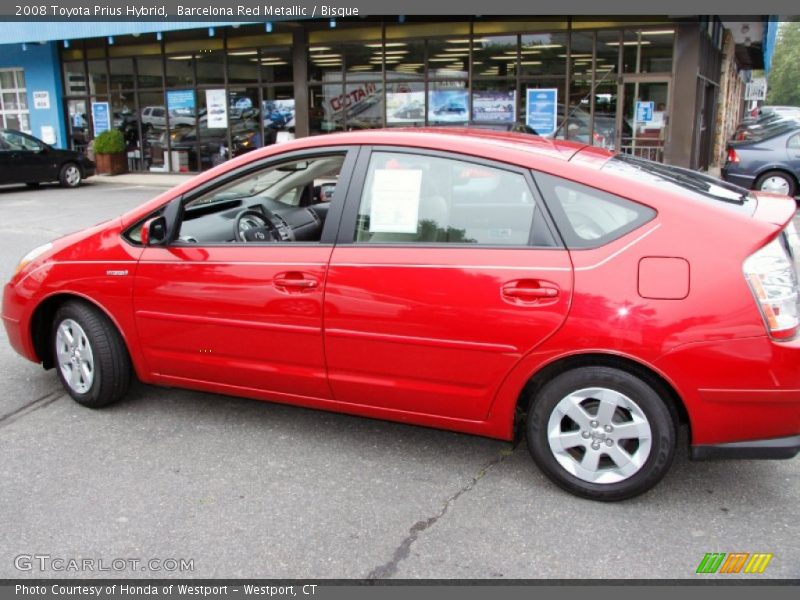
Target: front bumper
783,447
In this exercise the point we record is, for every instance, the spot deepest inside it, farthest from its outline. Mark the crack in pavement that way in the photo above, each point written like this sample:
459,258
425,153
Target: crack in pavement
402,552
28,408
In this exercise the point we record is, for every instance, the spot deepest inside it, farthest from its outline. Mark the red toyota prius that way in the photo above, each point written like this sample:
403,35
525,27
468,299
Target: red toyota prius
465,280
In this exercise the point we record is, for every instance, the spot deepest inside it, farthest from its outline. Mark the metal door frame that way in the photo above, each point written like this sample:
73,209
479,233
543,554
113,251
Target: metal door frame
637,78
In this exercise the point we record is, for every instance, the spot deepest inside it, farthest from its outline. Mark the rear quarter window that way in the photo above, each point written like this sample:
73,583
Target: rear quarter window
587,217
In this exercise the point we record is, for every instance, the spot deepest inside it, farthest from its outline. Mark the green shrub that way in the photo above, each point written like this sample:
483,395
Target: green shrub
109,142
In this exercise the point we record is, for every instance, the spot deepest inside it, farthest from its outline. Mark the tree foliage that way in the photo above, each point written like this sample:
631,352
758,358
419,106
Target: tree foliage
784,76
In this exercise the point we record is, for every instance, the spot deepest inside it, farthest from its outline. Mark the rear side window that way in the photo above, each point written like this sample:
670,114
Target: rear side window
415,198
588,217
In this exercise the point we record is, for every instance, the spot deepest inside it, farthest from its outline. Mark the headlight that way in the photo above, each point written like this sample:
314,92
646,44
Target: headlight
32,255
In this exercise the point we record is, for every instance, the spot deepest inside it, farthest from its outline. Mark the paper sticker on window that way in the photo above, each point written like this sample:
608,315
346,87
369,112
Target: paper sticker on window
395,201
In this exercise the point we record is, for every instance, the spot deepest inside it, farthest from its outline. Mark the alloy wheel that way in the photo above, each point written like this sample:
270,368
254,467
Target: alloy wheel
599,435
75,356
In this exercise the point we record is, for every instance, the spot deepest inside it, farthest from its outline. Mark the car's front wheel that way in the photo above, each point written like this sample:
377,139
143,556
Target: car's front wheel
90,356
601,433
70,175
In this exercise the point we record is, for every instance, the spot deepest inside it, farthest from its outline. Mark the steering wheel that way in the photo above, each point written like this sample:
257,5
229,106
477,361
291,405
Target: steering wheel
253,226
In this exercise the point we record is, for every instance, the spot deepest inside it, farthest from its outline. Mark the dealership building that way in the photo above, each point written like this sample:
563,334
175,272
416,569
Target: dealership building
189,95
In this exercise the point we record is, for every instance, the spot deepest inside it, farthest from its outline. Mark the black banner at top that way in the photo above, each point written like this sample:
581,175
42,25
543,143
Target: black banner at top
264,10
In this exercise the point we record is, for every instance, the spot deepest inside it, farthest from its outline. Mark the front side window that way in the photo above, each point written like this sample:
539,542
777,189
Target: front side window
588,217
285,202
413,198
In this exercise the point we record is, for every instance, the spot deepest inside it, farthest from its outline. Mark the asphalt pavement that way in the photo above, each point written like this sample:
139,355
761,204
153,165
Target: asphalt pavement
243,488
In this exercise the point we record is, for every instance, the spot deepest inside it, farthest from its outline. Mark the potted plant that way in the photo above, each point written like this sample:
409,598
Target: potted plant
109,150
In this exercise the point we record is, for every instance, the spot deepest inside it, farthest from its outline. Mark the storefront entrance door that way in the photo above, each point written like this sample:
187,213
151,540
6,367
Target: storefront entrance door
643,124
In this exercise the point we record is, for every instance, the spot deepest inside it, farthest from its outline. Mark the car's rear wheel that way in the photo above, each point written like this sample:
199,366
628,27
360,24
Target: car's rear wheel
90,356
601,433
70,175
776,182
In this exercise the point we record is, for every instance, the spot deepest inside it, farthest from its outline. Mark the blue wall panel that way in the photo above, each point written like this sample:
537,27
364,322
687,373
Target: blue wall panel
42,73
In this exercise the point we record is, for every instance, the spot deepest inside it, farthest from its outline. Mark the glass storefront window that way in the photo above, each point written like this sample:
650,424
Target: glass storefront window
543,54
656,57
412,64
405,103
243,66
149,72
369,57
121,74
494,102
542,112
74,78
363,103
355,80
448,59
448,103
325,62
123,117
495,56
244,120
278,114
275,65
182,116
630,51
180,70
98,82
325,108
153,143
210,67
78,124
605,89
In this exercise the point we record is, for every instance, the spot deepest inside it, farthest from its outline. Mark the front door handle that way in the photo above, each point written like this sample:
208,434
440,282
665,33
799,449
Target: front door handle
295,280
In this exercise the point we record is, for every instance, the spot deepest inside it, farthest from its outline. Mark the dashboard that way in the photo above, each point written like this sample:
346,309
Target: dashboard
260,219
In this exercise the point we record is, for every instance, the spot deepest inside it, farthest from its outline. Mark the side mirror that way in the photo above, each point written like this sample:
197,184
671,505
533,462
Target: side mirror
154,231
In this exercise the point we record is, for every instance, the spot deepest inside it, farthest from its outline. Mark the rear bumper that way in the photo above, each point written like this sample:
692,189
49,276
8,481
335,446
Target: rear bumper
741,179
740,394
776,448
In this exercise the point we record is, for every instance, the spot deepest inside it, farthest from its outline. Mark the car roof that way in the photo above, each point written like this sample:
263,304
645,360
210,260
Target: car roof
457,138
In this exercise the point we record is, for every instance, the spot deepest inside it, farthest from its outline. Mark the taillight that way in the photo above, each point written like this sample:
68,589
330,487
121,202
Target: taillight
773,280
732,156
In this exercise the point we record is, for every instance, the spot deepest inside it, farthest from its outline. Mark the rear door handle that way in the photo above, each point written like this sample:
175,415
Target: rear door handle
295,280
528,291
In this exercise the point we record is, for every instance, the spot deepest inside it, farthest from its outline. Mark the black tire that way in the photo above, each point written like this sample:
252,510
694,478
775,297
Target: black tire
70,175
33,185
654,409
772,175
111,364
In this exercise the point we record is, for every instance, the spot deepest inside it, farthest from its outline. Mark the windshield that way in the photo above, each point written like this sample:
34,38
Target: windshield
681,180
